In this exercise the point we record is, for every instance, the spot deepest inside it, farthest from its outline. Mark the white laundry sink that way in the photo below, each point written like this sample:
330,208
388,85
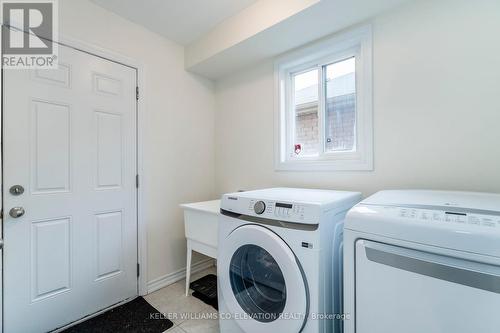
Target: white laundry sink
201,221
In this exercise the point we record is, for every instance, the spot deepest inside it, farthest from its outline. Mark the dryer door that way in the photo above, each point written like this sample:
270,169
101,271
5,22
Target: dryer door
262,282
404,290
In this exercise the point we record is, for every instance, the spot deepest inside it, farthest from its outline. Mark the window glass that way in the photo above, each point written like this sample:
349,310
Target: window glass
306,136
340,106
257,283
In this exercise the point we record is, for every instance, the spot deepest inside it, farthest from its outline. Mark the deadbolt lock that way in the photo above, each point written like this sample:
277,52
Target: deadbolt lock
16,190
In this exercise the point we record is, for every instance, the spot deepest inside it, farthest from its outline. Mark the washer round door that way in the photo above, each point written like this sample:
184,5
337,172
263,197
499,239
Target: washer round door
262,282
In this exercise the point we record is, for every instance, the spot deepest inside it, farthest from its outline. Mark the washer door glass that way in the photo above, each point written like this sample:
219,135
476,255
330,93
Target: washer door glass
257,283
261,281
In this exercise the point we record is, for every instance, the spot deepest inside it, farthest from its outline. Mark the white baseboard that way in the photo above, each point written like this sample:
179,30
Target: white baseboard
170,278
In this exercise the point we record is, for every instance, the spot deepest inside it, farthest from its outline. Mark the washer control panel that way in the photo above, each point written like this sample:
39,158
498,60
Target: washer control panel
438,216
284,211
277,210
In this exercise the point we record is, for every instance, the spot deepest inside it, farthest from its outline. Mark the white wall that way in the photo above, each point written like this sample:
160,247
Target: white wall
436,107
179,127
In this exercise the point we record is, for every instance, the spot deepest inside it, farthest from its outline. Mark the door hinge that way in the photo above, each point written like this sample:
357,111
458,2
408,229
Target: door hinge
137,93
138,270
136,181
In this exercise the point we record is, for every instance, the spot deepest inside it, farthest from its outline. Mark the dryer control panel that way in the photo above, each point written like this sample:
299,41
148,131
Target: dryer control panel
458,221
442,216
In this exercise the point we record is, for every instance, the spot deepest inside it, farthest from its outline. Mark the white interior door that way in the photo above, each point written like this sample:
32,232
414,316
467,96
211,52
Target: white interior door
70,142
403,290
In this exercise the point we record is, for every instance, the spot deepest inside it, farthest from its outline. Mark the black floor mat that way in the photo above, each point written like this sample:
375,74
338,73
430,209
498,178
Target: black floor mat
205,289
135,316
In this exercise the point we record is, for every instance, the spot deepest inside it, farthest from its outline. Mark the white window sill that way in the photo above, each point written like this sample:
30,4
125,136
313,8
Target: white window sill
324,165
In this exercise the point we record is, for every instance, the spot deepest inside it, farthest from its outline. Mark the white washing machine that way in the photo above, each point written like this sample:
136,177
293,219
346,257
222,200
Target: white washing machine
274,262
423,261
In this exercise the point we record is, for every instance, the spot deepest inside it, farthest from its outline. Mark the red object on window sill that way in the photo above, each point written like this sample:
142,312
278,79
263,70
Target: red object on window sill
298,149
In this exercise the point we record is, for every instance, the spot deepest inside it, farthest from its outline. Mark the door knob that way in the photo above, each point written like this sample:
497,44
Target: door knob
16,212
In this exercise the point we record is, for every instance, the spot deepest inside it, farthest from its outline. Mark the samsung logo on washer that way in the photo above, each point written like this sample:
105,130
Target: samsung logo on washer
232,198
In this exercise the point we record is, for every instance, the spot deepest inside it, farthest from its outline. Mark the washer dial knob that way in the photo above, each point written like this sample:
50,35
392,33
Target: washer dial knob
259,207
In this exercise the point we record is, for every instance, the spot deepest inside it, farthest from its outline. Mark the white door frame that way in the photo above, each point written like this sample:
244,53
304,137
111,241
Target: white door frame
140,144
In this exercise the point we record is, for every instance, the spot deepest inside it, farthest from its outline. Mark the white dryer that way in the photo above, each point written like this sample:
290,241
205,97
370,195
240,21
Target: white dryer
274,261
423,261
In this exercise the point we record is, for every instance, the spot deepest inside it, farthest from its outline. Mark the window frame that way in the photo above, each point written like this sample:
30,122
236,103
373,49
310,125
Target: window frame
357,43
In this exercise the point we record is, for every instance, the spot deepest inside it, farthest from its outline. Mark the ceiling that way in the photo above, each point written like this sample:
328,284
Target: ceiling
181,21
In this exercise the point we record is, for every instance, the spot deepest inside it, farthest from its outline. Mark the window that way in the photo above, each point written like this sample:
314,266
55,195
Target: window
324,105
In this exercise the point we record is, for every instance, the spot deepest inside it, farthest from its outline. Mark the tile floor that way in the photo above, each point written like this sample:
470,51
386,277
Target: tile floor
189,314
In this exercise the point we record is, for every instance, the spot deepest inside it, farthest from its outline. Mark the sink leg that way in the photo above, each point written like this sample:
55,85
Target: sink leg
188,266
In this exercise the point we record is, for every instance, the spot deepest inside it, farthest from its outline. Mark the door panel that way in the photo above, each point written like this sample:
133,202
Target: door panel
70,141
51,147
109,149
108,249
50,257
59,76
107,85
